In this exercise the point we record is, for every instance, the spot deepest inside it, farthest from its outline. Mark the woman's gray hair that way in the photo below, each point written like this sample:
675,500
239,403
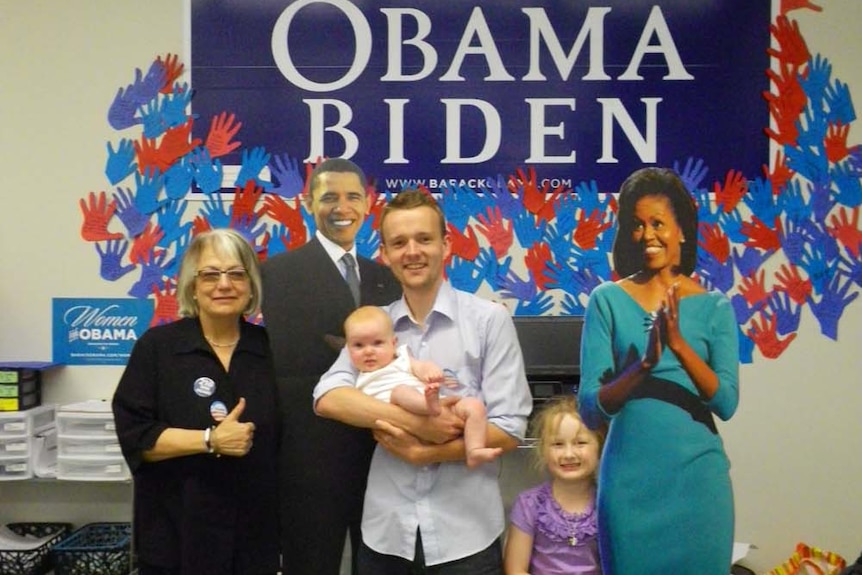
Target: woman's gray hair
226,243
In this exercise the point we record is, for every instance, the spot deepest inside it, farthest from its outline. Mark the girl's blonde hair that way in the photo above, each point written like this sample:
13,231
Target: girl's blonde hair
547,420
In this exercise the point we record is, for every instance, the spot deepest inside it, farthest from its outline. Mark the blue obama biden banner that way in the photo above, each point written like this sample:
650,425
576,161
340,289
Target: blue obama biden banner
456,91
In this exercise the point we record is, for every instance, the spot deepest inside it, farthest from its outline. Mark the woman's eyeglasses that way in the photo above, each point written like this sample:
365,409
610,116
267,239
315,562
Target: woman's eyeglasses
211,276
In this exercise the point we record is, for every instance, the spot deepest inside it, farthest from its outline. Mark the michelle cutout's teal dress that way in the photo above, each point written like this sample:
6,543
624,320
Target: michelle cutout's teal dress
665,500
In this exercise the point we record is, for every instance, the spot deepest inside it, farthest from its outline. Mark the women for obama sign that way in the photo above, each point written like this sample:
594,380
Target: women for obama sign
98,331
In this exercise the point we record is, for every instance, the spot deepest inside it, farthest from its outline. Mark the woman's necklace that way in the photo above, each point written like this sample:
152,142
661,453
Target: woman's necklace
214,344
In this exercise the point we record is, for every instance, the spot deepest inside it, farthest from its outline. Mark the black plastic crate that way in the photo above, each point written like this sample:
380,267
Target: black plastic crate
33,561
95,549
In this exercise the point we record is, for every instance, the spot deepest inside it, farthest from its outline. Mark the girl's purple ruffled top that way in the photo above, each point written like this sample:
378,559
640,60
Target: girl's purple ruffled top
562,542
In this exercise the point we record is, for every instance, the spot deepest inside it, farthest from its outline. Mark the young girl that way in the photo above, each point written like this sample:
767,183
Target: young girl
553,525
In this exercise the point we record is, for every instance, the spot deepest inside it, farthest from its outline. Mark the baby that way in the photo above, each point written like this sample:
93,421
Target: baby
390,374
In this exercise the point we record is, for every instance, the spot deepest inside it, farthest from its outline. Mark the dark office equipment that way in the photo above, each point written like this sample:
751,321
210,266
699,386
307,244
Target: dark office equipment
552,347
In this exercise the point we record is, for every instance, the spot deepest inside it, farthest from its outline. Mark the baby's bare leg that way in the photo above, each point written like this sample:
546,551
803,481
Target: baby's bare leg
432,398
410,399
472,411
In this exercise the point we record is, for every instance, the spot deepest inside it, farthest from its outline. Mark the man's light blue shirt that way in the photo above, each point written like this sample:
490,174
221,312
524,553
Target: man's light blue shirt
459,510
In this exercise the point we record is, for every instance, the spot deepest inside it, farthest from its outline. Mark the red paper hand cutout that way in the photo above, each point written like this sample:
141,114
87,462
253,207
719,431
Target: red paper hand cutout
175,143
493,227
762,236
97,214
790,281
146,243
536,260
200,224
766,338
753,289
791,45
291,217
714,241
787,88
735,187
222,130
845,231
167,308
537,201
148,156
588,229
836,142
780,175
245,199
173,70
785,117
788,5
463,245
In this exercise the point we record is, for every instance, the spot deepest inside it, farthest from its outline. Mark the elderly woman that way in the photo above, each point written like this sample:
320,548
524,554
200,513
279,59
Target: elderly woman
196,416
659,357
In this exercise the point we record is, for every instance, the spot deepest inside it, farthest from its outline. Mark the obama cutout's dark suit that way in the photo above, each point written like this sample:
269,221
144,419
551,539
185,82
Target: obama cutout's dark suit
323,463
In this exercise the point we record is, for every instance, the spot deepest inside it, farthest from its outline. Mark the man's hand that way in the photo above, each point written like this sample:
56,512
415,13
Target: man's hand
441,428
399,443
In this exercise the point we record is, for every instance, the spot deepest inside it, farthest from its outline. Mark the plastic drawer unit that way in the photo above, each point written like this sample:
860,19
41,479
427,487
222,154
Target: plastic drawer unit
17,431
87,445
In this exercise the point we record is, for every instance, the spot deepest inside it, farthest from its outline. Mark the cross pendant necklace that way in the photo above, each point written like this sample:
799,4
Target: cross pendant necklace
573,540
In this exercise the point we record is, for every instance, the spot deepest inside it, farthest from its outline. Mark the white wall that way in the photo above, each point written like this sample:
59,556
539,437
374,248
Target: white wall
794,443
61,66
